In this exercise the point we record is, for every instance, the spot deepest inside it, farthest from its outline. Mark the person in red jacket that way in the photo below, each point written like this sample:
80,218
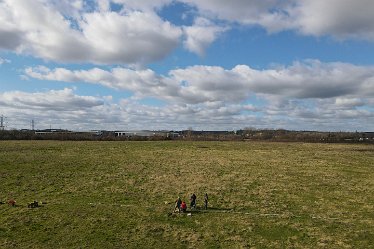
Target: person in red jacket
184,207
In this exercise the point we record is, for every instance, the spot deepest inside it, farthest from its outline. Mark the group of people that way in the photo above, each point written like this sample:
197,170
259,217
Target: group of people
181,206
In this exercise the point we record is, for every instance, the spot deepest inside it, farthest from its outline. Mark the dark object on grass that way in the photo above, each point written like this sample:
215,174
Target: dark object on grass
193,201
12,202
2,202
178,203
206,201
34,204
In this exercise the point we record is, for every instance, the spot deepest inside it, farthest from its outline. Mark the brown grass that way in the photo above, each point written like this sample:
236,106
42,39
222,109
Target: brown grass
113,194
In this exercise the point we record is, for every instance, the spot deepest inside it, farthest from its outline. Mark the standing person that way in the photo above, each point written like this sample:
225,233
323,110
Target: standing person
206,201
193,201
178,203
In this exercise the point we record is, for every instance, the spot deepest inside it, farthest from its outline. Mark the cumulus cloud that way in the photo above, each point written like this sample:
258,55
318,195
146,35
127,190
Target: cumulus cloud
313,79
58,109
144,4
338,18
141,82
52,100
41,28
271,14
65,109
90,31
309,94
138,37
71,8
349,102
10,39
200,35
198,84
42,31
65,31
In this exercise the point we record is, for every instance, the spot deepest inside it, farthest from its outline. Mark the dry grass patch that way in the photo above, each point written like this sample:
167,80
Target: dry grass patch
119,194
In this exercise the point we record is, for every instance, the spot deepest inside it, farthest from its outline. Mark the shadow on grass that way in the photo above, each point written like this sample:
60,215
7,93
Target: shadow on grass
218,209
196,211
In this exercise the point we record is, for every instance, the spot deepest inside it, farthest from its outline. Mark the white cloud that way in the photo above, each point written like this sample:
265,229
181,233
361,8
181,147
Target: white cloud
65,109
206,84
199,84
339,18
143,4
41,29
137,37
3,61
71,8
270,14
349,102
201,35
53,100
310,94
312,79
58,109
236,10
76,31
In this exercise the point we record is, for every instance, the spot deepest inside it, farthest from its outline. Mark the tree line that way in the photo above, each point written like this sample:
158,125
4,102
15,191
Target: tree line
279,135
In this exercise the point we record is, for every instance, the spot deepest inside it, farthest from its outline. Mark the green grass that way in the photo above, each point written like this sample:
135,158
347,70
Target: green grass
113,194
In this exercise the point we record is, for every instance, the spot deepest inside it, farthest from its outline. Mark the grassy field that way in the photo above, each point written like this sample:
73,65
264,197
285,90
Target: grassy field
121,194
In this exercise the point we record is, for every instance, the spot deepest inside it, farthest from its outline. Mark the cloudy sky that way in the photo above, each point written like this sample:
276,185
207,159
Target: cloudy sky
179,64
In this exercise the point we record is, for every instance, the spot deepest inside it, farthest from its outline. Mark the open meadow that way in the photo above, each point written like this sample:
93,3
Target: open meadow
121,194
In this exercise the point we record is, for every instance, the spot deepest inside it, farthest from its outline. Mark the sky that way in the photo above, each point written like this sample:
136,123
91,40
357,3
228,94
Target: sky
187,64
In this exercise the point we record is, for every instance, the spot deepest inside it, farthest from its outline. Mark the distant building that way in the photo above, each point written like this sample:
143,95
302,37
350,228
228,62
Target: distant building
50,131
170,134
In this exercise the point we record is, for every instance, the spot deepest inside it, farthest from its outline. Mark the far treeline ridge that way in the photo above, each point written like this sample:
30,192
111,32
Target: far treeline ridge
279,135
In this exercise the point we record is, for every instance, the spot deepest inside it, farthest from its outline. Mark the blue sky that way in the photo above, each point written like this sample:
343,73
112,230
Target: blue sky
179,64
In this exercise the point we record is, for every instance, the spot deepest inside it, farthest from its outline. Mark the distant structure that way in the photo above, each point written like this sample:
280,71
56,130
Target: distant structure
2,121
32,125
134,133
145,133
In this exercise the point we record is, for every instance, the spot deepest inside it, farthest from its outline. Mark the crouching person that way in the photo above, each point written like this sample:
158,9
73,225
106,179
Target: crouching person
183,207
34,204
12,203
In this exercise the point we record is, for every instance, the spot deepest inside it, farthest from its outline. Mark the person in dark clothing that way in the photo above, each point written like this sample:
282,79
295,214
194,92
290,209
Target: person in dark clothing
206,201
193,201
178,203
